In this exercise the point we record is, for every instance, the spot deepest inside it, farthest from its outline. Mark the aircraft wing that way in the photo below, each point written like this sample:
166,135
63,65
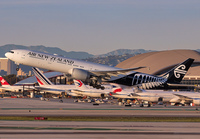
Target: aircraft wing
77,90
114,72
49,89
134,95
183,85
183,97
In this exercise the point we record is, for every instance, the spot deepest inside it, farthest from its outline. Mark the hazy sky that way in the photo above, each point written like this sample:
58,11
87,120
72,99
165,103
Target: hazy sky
100,26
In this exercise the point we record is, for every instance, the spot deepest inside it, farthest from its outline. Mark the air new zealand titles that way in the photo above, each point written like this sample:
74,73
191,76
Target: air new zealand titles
50,58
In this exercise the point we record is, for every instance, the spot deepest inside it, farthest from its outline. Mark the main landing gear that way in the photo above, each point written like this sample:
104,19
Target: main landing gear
96,85
99,87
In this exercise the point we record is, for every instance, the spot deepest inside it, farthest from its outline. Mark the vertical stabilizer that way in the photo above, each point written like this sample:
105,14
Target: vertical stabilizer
177,73
41,78
116,89
80,85
4,82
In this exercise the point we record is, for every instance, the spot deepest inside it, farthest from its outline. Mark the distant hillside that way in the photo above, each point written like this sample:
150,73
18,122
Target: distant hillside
125,51
111,60
41,48
198,50
71,54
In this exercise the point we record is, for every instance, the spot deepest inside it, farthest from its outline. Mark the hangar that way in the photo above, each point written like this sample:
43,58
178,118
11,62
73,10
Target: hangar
160,62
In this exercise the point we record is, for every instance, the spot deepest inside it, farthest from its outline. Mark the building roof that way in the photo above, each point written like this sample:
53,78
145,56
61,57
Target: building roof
33,80
161,61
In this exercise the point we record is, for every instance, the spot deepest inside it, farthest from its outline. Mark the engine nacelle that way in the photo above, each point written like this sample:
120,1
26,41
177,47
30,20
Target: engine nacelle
152,99
80,74
175,100
102,95
196,101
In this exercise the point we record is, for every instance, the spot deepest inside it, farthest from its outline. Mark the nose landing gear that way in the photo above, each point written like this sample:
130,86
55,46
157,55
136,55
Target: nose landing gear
17,68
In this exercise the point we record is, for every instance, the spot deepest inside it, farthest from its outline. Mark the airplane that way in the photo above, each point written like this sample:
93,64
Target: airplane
46,85
79,89
13,88
84,90
182,97
94,73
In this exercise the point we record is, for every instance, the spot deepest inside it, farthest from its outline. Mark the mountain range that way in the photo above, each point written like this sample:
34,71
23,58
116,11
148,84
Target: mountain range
71,54
111,58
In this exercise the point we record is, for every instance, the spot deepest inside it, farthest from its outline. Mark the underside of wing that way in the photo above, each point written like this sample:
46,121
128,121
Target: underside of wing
114,72
49,89
183,85
183,97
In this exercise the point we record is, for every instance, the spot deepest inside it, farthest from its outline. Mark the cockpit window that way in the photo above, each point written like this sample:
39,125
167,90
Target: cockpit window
11,52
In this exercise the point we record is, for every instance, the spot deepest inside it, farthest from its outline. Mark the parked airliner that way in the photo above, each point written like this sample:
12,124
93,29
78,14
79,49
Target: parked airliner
84,90
13,88
47,86
96,73
183,97
76,89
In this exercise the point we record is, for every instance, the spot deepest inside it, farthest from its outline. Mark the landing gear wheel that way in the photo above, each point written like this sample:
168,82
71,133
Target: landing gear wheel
17,68
98,86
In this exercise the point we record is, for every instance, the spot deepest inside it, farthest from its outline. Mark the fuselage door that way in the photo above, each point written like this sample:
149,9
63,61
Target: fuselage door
23,55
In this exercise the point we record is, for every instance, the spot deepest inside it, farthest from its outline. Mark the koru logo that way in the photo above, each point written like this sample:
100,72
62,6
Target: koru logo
180,70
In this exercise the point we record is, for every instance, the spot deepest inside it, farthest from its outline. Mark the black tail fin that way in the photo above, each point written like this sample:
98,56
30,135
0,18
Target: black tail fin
176,74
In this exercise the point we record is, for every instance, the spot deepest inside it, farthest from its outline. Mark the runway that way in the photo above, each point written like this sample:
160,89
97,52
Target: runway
54,129
96,130
34,107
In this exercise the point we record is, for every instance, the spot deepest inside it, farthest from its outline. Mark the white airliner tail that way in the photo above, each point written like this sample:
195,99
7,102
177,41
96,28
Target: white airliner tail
42,80
4,82
80,85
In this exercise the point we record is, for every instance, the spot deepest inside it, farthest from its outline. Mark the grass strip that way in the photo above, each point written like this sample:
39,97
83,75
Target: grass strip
106,119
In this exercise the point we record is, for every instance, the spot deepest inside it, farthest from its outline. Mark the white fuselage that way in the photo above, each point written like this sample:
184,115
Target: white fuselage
53,62
12,88
55,89
154,95
92,92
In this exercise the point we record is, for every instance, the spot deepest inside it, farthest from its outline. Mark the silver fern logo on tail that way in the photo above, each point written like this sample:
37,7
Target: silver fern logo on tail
166,76
180,70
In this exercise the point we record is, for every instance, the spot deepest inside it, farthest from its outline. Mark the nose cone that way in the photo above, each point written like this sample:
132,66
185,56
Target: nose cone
9,55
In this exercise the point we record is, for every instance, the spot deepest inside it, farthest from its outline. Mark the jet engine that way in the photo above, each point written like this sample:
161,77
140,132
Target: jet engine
81,74
102,95
86,76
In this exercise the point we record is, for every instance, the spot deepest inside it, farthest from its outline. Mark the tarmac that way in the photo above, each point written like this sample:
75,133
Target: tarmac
53,107
84,129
